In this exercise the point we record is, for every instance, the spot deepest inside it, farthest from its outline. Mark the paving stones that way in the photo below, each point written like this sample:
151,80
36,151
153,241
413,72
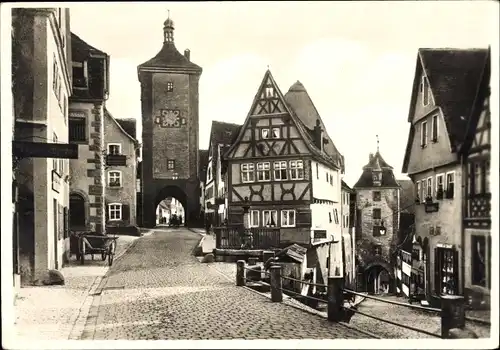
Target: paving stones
169,294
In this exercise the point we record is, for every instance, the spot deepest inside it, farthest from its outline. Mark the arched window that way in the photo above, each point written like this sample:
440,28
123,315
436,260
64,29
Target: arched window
76,211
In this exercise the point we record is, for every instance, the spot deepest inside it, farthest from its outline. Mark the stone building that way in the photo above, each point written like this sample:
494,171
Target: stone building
90,68
170,130
203,159
41,86
378,214
284,167
445,85
120,172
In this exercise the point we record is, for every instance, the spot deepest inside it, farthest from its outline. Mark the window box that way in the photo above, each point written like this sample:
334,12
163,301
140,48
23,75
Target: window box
116,160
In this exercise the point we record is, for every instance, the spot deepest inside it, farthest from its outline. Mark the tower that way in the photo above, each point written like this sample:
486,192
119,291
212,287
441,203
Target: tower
170,129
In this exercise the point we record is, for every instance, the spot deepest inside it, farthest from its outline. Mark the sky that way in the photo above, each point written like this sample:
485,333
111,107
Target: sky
356,59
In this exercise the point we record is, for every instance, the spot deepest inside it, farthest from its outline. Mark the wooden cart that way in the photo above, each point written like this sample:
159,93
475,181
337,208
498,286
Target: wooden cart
96,244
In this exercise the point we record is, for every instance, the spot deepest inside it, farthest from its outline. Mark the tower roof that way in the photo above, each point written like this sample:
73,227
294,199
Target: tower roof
169,56
376,162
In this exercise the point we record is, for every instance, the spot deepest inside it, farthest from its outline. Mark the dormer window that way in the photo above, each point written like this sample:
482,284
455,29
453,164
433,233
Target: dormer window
80,74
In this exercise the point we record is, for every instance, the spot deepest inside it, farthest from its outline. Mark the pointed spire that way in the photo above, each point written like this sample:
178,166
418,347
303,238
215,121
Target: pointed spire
168,30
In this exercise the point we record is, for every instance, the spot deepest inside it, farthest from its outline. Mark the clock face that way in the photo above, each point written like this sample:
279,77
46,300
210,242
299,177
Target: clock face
170,118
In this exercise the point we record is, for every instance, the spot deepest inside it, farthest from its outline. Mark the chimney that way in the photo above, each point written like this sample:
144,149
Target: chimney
318,135
370,157
187,54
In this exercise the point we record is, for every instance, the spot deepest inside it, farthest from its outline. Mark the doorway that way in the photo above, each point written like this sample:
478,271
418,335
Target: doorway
77,215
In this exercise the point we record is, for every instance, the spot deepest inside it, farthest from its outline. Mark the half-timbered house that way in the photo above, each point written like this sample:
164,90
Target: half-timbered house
285,169
476,156
444,89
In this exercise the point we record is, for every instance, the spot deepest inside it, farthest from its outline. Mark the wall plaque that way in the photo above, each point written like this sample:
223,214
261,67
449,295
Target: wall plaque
170,118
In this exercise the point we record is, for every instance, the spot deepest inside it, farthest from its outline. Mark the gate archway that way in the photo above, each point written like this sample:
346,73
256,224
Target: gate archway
175,192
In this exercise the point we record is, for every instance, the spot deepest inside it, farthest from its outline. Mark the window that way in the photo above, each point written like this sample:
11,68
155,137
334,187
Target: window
329,217
487,176
170,164
55,75
317,170
377,197
209,172
170,86
450,185
276,133
269,218
478,176
254,218
77,129
247,172
114,148
296,170
288,218
419,190
429,188
263,171
280,170
79,76
481,261
331,179
115,178
378,249
336,216
265,133
377,213
115,211
347,221
424,90
447,274
439,186
434,130
423,134
269,91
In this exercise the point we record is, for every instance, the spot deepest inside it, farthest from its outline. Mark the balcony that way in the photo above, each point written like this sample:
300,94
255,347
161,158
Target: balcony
116,160
231,237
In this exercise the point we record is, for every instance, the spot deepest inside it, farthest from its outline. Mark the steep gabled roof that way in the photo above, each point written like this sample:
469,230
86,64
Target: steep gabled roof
301,128
407,196
346,187
224,134
301,103
108,115
80,50
454,76
129,125
366,178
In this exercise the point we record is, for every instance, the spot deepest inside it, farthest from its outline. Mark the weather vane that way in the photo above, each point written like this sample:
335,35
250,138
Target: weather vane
377,142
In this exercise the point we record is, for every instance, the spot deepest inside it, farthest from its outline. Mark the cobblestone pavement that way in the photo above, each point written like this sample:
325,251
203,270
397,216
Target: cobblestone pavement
59,312
159,290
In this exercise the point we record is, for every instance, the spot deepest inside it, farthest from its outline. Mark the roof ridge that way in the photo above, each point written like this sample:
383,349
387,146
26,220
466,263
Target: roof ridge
108,113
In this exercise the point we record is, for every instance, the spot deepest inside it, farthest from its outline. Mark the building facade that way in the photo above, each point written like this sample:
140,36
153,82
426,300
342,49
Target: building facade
41,79
437,129
280,168
169,99
90,69
120,172
348,234
222,135
378,214
476,156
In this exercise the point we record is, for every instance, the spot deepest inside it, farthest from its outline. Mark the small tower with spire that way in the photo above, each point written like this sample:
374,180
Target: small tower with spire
377,169
168,30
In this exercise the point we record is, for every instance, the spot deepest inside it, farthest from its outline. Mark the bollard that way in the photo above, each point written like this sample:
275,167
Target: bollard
252,261
452,314
240,273
276,292
335,299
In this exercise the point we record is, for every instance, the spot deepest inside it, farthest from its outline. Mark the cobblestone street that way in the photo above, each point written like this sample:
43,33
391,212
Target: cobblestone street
159,290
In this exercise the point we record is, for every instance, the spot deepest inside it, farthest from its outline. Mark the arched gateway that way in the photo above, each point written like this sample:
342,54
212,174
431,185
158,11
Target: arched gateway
170,129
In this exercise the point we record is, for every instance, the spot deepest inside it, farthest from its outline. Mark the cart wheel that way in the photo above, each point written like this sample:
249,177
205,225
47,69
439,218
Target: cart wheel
103,256
111,256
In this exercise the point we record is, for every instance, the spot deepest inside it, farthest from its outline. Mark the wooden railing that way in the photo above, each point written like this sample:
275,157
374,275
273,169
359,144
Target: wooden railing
232,237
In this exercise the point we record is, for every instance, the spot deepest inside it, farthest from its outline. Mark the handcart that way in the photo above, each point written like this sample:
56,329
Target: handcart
96,244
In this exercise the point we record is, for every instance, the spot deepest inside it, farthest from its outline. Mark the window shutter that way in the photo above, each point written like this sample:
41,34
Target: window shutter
125,212
303,217
455,271
437,267
106,208
66,222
